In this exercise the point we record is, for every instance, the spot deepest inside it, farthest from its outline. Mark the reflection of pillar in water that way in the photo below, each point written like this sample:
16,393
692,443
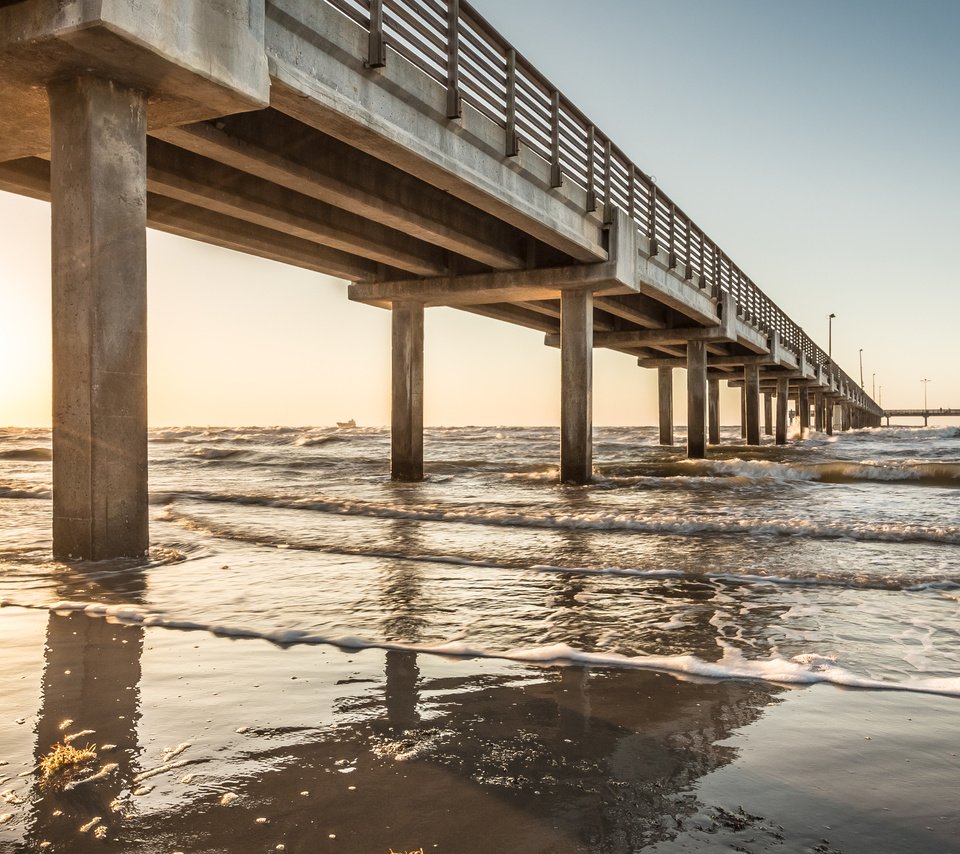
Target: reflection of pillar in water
91,680
573,702
401,689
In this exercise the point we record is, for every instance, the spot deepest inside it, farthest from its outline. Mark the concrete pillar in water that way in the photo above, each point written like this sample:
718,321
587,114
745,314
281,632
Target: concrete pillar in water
818,411
406,415
783,404
99,270
830,414
768,413
751,387
804,408
576,386
665,398
696,399
743,413
713,411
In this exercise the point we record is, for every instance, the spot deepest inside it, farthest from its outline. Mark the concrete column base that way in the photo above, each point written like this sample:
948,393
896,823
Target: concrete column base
696,399
783,406
665,400
767,413
576,386
713,411
751,389
406,416
803,406
98,194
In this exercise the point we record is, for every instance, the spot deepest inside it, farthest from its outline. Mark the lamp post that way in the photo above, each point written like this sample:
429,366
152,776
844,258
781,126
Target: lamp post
925,381
861,367
830,336
873,386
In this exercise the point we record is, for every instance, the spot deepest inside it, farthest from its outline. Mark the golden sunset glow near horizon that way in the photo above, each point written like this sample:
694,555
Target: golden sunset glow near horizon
813,142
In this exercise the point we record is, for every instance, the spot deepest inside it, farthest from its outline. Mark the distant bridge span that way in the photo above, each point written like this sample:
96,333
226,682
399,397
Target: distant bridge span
925,414
403,145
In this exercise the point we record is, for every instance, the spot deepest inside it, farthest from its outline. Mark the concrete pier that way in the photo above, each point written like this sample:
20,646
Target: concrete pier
783,405
803,407
751,388
99,196
696,399
768,413
713,411
406,417
743,413
665,401
576,386
818,412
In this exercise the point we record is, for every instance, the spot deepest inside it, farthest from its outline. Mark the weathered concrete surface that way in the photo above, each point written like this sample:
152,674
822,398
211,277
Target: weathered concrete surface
194,60
783,404
696,400
713,411
767,413
576,386
99,273
398,114
665,404
803,407
406,417
751,388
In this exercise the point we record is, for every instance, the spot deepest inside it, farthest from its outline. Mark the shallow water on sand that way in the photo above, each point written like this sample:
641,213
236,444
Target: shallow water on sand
496,662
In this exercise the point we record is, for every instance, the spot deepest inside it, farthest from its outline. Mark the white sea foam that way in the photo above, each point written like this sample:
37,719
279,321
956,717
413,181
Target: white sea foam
805,669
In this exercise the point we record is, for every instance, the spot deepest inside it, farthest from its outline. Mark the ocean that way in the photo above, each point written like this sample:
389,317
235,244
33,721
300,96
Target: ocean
752,652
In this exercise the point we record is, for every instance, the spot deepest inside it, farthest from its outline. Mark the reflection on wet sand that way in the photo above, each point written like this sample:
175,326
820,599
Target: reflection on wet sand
515,759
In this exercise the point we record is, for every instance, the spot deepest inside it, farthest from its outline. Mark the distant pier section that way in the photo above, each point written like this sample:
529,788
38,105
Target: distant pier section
925,414
403,145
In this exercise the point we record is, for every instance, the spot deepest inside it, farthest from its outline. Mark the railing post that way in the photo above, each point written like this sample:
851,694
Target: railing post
607,182
453,59
377,48
591,169
717,272
672,251
512,147
556,174
653,219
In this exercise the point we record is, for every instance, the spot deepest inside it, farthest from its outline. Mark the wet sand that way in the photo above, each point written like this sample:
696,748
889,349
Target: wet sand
239,745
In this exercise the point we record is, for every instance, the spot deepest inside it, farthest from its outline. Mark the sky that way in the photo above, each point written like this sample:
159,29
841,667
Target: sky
816,141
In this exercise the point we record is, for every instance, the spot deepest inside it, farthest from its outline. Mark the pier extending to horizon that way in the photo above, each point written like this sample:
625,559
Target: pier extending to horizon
402,145
925,414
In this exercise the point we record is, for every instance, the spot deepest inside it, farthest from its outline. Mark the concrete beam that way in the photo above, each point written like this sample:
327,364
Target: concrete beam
196,60
399,114
99,269
406,418
187,177
278,149
576,386
30,176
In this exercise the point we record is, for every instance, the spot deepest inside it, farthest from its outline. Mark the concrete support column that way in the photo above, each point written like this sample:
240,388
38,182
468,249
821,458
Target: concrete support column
743,413
783,405
831,413
804,408
818,411
696,399
768,413
99,271
751,387
665,397
713,411
406,414
576,386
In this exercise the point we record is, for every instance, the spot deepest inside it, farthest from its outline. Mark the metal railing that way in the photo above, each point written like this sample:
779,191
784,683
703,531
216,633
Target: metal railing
453,44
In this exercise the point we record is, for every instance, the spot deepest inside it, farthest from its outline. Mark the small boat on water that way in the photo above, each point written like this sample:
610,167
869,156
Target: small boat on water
350,423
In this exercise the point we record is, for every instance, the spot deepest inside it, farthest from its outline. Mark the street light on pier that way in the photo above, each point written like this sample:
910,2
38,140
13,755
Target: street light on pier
861,367
925,381
873,386
830,336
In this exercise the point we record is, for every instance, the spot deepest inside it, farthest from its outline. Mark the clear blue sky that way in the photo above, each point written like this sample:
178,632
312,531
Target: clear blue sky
816,141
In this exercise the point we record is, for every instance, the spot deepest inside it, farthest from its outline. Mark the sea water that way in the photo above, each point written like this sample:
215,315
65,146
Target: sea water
832,560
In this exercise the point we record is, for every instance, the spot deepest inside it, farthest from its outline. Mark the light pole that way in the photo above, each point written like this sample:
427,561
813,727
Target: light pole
861,367
880,399
925,381
873,386
830,336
